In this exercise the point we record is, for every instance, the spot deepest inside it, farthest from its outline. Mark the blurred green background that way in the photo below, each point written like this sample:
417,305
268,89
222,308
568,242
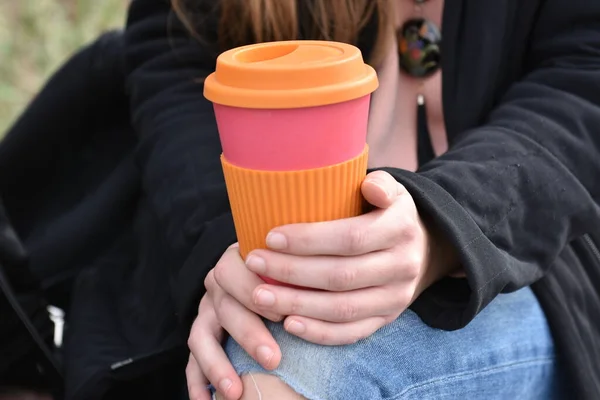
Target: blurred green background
36,36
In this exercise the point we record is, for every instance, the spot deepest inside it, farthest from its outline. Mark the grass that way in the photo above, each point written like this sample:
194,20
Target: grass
36,36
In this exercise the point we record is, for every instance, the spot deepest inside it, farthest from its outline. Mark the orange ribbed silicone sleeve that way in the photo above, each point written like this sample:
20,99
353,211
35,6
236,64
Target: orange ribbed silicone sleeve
263,200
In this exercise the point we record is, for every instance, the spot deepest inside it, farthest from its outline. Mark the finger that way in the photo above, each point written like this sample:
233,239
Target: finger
335,306
234,278
330,333
381,189
205,345
332,273
376,230
249,331
196,381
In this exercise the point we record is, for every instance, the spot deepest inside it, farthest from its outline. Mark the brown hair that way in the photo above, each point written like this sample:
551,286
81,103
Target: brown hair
254,21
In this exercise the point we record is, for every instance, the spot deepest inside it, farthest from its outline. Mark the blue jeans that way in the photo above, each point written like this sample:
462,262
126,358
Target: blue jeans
506,352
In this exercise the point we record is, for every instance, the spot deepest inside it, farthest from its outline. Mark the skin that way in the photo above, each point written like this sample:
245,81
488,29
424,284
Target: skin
367,270
23,395
270,388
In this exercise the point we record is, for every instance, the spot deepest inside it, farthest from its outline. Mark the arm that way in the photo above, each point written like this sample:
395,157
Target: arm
511,194
178,151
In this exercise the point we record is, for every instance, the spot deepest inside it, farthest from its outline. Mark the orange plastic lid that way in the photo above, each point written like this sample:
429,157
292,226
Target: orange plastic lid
290,74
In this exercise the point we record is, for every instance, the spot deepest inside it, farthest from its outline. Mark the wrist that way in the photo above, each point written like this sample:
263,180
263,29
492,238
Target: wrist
442,258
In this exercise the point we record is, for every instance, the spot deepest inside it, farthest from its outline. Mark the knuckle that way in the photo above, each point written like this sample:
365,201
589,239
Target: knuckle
413,264
408,230
220,272
397,229
209,280
389,319
302,239
287,270
386,272
247,338
402,301
354,240
221,306
342,278
398,302
326,338
297,305
345,311
212,372
192,343
189,368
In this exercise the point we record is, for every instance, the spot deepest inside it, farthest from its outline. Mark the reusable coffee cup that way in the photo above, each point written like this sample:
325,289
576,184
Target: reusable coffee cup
292,119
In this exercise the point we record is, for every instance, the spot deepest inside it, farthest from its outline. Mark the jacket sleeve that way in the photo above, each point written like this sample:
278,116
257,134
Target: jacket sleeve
178,151
512,193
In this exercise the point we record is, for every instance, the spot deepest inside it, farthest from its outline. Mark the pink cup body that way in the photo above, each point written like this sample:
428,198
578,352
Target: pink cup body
293,139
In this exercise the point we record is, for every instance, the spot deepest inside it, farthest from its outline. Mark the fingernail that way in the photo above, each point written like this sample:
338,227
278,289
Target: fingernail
225,385
296,328
276,241
256,264
381,185
264,298
265,355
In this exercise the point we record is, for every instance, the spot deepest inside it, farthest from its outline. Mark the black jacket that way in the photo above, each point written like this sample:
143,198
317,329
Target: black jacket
147,217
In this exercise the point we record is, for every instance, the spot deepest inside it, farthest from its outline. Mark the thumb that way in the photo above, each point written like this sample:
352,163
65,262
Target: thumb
380,189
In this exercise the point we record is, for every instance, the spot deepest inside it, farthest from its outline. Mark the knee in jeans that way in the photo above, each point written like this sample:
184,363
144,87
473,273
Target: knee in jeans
263,387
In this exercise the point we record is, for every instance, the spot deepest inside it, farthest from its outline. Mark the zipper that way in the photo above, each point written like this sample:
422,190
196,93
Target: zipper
48,364
592,246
